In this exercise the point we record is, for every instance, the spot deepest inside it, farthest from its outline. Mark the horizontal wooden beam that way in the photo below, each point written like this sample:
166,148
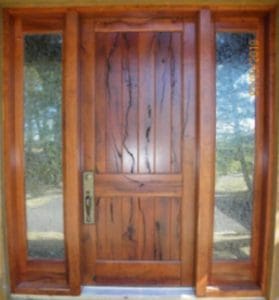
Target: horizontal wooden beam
108,185
38,24
232,272
138,25
236,291
151,272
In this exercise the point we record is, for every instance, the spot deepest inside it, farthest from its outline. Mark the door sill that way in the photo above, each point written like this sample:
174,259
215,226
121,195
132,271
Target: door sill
129,293
139,292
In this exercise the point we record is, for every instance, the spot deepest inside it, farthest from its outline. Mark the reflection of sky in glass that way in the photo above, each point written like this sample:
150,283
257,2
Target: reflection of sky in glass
235,84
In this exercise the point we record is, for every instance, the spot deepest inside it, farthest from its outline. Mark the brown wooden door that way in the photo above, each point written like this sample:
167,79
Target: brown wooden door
138,135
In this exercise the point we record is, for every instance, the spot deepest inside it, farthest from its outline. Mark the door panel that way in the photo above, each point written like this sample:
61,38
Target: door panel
137,134
138,102
132,228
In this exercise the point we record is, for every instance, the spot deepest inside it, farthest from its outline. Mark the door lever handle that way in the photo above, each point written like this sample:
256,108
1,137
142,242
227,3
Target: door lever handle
88,198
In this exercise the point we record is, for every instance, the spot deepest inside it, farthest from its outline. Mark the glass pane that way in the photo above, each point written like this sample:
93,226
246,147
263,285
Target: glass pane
43,145
235,144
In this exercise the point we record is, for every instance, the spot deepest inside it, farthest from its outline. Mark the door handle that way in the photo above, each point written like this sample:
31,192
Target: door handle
88,198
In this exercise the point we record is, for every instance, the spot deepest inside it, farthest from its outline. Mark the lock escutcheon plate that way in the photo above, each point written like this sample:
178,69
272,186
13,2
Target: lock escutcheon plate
88,198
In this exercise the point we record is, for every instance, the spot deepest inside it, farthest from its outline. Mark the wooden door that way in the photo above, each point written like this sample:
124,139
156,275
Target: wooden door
138,136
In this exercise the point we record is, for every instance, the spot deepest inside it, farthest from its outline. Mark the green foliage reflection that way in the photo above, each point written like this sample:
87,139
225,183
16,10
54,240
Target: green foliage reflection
43,112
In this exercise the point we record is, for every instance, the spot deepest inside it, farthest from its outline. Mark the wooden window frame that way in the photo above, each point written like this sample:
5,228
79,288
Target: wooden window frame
37,275
247,270
249,278
41,277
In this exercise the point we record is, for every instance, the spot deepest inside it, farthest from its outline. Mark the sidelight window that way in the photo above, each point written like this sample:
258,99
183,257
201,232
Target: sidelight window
235,144
43,145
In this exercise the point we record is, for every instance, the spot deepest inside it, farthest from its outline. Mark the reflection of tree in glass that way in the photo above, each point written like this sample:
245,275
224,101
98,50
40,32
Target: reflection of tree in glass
235,144
42,111
235,105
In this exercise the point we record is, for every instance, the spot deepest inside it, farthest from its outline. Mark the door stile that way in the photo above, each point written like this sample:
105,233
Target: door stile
270,127
71,152
189,92
87,119
14,145
206,150
19,144
8,89
259,159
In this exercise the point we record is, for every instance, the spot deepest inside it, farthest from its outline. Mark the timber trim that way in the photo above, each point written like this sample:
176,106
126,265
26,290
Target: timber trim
33,275
255,270
68,17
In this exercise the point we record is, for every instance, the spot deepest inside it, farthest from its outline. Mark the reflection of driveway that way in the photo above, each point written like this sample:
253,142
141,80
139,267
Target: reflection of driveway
45,214
231,239
224,224
45,226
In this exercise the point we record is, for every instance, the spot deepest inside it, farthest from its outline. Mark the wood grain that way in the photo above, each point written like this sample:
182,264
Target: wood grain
45,24
149,273
137,25
177,52
138,128
138,79
100,106
137,184
163,60
136,229
270,127
232,272
259,150
8,135
46,276
146,104
114,102
87,89
146,228
71,152
189,156
206,152
129,228
143,81
19,145
130,91
234,291
146,10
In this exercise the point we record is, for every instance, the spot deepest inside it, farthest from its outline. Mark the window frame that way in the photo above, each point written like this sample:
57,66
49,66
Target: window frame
250,277
65,278
30,275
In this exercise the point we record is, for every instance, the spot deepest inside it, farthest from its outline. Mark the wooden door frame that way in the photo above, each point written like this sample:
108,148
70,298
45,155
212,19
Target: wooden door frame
206,136
155,185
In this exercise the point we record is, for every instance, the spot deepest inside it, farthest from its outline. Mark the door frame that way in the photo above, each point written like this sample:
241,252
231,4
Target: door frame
172,272
68,19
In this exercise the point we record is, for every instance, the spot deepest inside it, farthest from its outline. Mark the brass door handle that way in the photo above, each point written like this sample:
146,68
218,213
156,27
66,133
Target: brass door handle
88,198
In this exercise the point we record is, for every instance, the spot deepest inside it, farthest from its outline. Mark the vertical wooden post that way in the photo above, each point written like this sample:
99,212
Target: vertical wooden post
272,133
19,203
87,83
6,181
71,151
189,152
206,151
260,145
8,138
